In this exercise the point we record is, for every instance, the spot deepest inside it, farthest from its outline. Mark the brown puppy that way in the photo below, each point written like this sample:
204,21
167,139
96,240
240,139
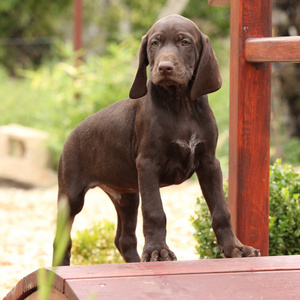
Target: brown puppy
163,134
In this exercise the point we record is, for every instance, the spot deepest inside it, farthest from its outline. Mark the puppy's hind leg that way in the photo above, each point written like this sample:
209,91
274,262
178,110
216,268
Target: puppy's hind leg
127,209
75,200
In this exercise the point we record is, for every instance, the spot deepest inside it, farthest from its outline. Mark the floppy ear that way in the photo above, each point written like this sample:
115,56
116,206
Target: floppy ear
139,86
207,77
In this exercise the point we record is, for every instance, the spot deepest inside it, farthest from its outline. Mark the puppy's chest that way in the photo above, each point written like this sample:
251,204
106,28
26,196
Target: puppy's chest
183,158
186,148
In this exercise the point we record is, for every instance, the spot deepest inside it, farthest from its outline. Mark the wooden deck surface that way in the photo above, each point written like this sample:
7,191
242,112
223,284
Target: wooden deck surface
246,278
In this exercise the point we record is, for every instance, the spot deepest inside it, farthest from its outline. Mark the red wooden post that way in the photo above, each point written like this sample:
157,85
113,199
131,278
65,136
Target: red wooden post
249,137
77,39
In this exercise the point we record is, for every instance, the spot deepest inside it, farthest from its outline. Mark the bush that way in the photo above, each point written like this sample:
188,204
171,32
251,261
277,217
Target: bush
96,245
284,219
284,224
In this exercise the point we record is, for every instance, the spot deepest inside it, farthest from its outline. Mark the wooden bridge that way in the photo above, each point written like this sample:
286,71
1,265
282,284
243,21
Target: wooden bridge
237,278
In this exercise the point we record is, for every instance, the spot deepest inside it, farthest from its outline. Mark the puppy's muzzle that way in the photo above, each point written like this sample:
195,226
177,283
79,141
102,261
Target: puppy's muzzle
166,67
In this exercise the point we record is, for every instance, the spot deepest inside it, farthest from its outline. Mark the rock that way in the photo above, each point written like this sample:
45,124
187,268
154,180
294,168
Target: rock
24,157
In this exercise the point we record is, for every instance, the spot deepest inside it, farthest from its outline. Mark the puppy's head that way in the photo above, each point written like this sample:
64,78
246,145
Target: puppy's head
177,54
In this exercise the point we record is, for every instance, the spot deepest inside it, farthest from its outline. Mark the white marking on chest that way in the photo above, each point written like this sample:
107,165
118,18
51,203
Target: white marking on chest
191,144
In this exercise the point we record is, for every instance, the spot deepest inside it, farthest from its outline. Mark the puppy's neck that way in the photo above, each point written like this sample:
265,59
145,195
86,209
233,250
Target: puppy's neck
170,92
175,99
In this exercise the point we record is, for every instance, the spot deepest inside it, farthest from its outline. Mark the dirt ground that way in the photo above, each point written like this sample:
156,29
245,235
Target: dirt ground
28,225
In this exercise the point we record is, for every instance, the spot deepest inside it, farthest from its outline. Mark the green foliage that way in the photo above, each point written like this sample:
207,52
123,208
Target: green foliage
114,16
96,246
57,98
213,21
284,222
143,13
117,18
284,219
291,151
25,29
32,22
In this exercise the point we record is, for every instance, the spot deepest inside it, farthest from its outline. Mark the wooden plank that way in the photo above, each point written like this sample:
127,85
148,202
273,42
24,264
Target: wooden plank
249,132
264,285
218,2
278,49
76,280
16,292
27,285
257,264
54,295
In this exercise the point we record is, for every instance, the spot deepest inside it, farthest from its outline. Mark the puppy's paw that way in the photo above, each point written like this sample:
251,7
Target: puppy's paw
241,251
158,255
248,251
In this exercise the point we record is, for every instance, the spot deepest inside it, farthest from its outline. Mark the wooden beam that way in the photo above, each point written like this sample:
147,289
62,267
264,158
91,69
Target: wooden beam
278,49
218,2
249,132
77,31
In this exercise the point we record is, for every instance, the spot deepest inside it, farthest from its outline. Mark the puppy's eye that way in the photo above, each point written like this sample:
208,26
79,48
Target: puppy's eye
155,44
185,43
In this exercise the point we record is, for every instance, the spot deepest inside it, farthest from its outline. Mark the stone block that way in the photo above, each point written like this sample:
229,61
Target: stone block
24,157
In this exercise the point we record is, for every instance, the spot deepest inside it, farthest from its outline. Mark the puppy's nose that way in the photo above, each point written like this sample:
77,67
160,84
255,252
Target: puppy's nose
166,67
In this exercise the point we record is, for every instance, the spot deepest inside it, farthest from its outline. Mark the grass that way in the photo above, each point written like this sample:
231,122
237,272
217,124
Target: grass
46,278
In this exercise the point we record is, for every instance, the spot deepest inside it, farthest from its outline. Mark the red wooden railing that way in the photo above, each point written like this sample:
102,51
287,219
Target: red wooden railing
252,51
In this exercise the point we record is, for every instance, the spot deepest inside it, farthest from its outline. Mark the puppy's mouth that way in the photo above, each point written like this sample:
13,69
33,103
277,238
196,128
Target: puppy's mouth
168,80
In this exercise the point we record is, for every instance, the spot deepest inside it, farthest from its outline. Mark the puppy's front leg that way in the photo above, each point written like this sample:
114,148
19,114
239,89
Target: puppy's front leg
154,218
210,179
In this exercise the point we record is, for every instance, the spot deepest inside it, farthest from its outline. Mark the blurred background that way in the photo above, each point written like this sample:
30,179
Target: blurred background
47,89
40,86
